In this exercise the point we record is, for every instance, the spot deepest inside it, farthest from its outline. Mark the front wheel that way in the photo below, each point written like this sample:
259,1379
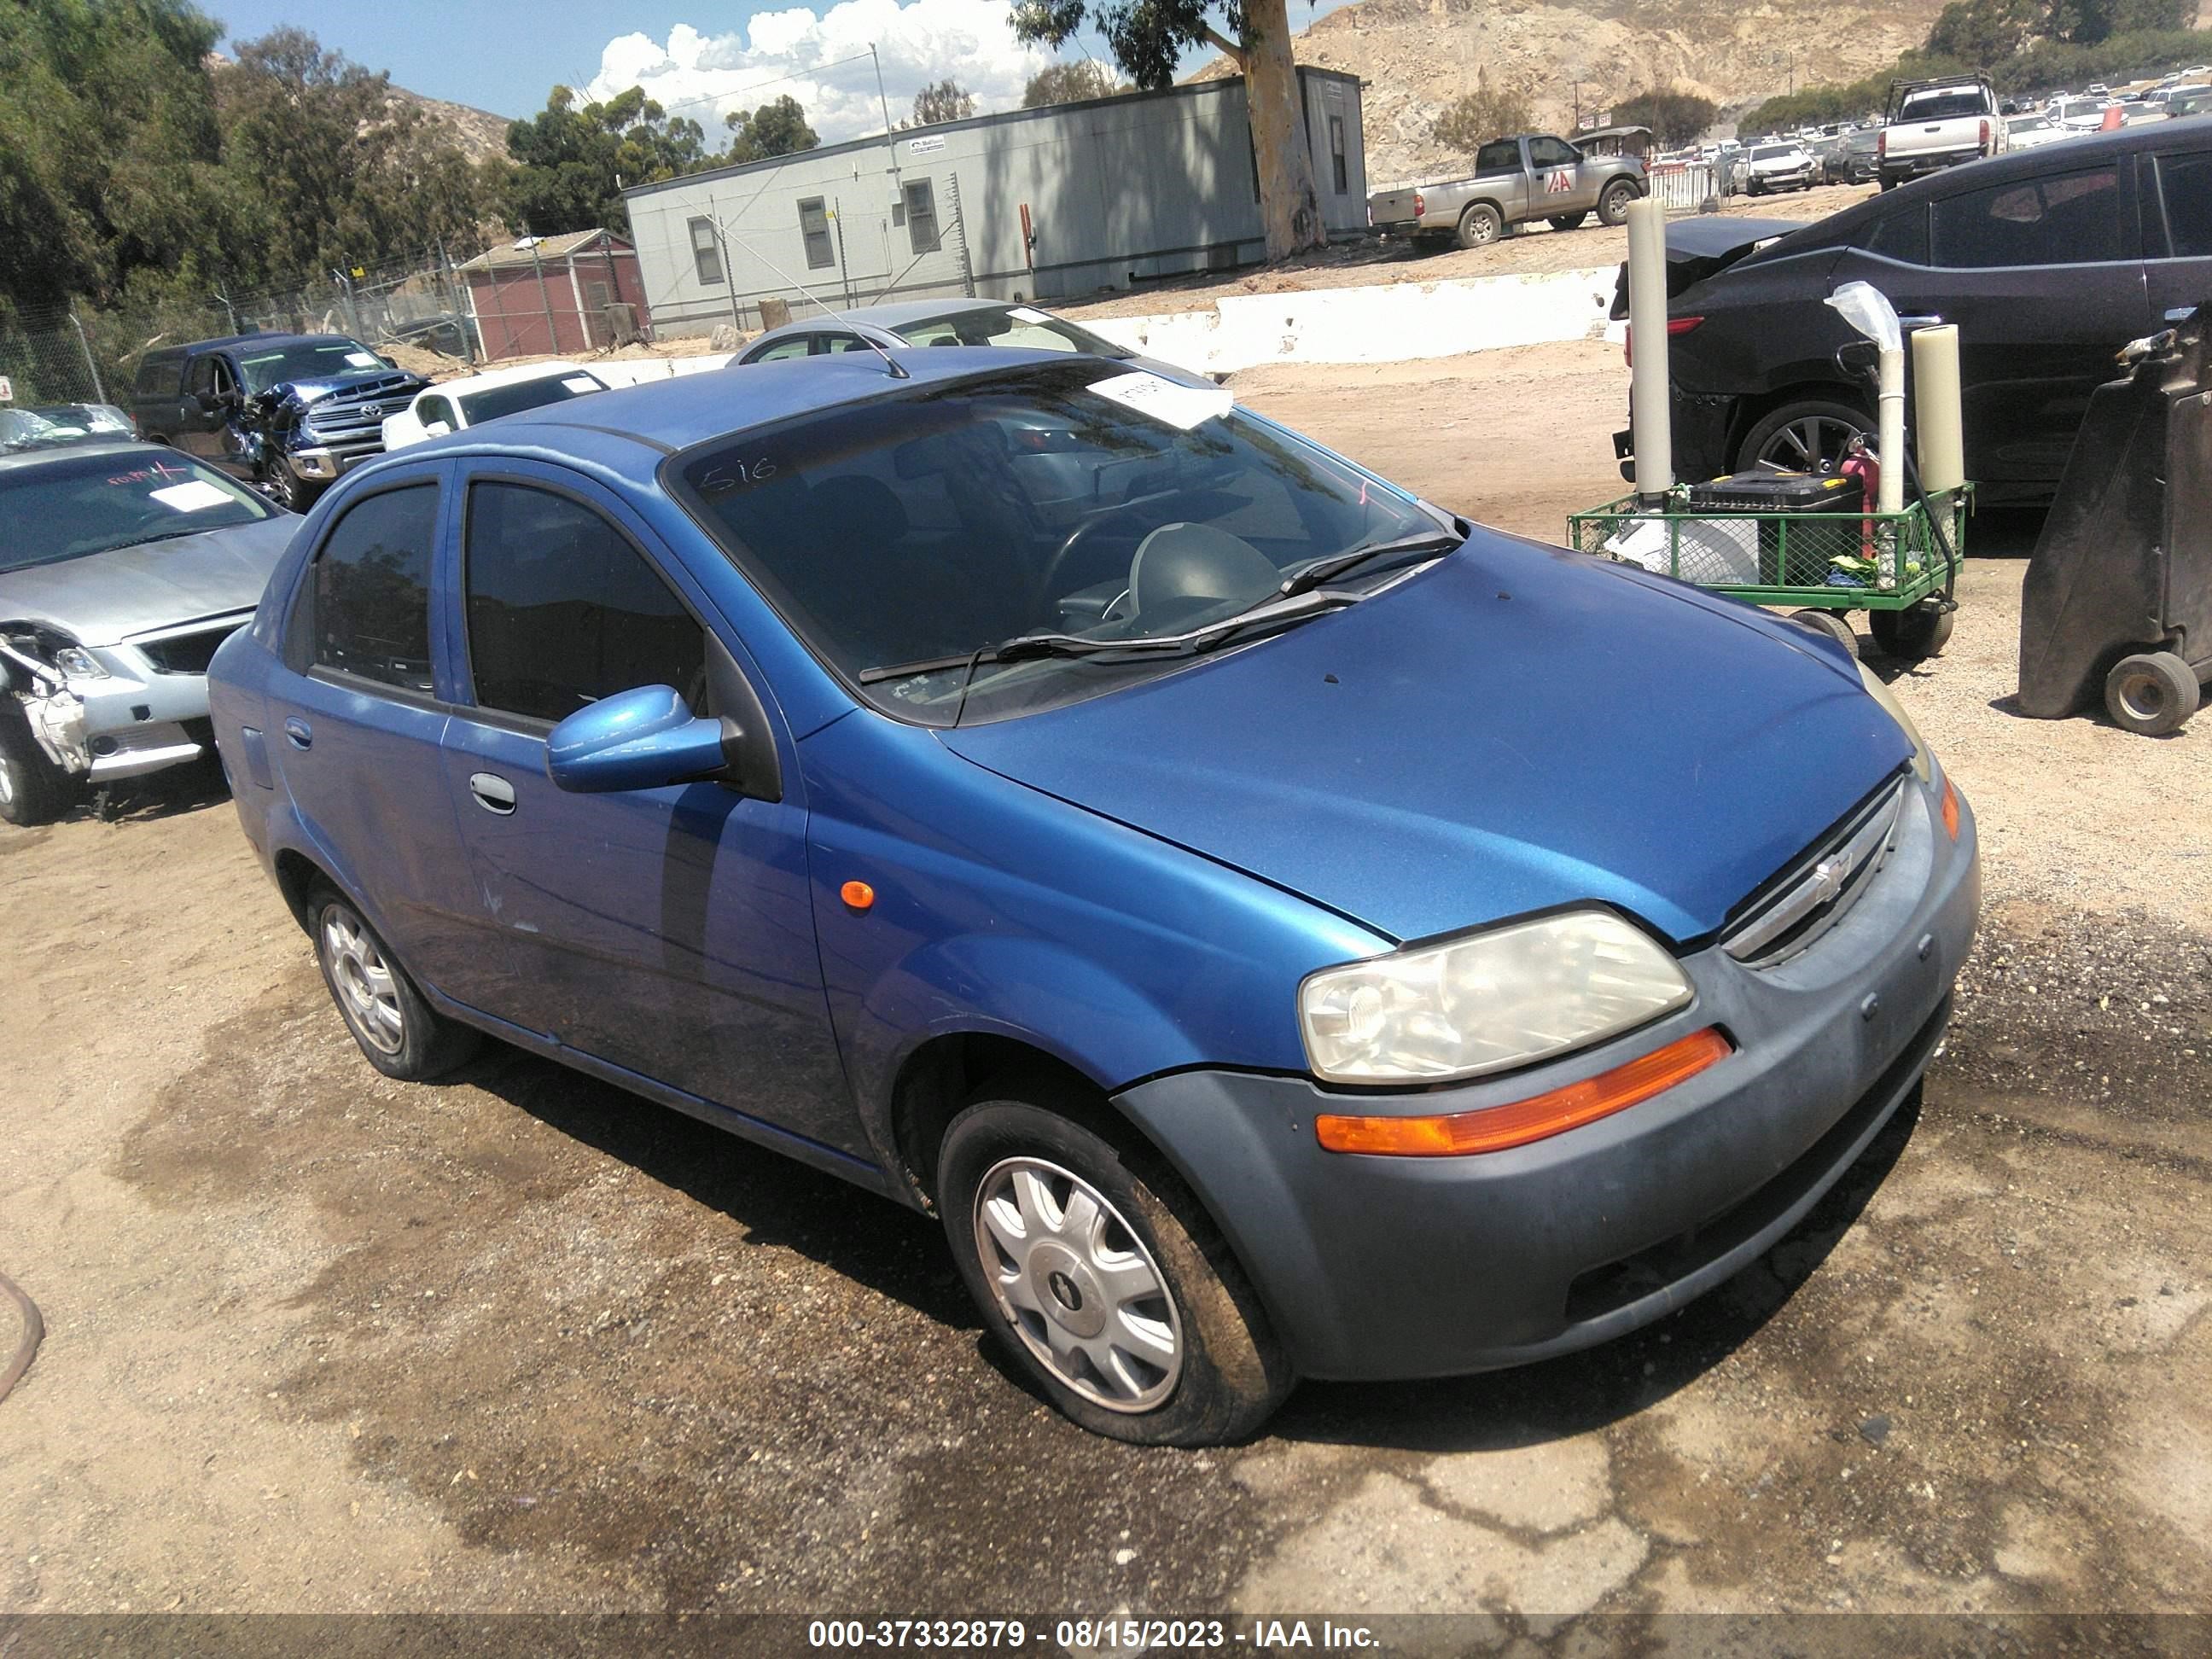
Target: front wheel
1480,226
32,789
1102,1275
287,489
2152,694
1612,205
1921,631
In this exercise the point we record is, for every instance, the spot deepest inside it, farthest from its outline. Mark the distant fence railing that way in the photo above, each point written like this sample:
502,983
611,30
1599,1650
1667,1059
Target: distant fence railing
1685,186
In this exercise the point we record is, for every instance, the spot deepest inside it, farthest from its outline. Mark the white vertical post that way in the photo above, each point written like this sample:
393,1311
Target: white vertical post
1648,413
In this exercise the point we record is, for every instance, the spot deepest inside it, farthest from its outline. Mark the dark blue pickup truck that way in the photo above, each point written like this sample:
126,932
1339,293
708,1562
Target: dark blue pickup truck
290,412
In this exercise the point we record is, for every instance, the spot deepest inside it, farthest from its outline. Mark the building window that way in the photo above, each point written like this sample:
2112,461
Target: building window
1336,154
707,252
814,226
921,217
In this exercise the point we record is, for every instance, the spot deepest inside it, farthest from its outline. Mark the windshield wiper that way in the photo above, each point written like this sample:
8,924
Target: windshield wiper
1329,569
1022,645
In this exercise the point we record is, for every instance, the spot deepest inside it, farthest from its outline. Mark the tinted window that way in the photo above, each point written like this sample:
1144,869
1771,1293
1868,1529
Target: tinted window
1902,236
371,600
158,374
796,345
2069,218
2186,182
518,395
1503,156
562,610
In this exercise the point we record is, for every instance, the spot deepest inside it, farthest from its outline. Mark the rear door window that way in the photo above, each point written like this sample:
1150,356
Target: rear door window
563,610
369,604
1903,236
2186,182
2062,219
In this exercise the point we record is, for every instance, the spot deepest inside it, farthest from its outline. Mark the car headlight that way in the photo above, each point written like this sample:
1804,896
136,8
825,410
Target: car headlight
1485,1002
79,663
1923,760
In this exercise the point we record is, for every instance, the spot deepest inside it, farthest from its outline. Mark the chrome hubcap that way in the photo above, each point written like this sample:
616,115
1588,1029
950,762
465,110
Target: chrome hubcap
1077,1284
367,995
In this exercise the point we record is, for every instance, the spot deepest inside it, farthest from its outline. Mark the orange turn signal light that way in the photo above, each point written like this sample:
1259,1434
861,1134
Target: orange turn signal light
858,894
1950,808
1494,1128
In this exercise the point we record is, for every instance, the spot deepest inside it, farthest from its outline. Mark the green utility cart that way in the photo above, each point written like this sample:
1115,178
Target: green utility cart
1823,561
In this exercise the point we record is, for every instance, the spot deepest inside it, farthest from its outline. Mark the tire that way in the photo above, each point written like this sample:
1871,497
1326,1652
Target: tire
2152,694
32,789
1613,202
1804,435
289,490
1889,184
1480,226
1197,1365
1922,631
402,1035
1754,188
1834,624
1568,220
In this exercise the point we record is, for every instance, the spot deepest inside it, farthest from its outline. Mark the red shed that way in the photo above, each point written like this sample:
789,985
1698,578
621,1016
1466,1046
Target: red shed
547,296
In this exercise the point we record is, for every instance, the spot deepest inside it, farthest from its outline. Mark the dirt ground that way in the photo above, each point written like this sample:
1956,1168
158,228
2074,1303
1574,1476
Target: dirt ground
319,1341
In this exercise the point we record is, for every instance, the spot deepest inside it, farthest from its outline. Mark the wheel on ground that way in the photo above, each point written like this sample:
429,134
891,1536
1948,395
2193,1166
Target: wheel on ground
402,1036
2152,693
1805,436
1612,203
289,490
32,789
1568,220
1834,623
1889,184
1921,631
1106,1280
1754,188
1480,226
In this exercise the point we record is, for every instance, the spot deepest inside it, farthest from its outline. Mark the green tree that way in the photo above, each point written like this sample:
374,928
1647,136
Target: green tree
1673,115
947,100
1069,84
572,164
777,128
1147,38
1983,33
1473,119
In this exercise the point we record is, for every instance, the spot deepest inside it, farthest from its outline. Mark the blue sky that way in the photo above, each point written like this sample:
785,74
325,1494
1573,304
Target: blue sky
504,56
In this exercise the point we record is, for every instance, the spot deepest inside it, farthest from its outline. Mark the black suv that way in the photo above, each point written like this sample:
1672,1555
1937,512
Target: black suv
290,412
2049,260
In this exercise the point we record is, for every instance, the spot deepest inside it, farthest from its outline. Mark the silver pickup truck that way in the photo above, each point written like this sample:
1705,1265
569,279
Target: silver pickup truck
1534,176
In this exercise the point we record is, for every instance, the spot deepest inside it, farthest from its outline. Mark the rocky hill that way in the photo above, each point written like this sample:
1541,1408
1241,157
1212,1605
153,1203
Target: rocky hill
1417,56
478,132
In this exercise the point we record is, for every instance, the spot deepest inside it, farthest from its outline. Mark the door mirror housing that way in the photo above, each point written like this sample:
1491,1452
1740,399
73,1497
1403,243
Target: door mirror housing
645,739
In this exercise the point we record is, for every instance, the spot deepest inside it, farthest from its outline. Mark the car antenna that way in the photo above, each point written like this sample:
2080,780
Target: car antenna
897,370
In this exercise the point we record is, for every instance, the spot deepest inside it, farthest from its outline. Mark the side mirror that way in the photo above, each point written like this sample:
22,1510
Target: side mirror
209,402
436,429
647,739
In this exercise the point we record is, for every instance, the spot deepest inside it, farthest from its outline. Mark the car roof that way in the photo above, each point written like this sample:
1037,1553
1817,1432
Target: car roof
227,341
29,460
897,313
672,414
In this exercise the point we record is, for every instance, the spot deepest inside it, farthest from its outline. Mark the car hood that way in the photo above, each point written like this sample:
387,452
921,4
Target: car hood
106,596
1517,728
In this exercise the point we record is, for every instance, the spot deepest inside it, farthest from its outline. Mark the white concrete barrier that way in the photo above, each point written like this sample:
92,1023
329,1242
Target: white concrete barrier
636,371
1383,324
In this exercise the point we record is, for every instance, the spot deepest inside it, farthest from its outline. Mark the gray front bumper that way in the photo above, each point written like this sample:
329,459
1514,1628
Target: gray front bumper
1383,1267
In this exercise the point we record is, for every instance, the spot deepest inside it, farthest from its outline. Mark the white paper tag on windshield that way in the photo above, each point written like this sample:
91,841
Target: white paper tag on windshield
1028,314
363,360
1181,406
580,383
190,497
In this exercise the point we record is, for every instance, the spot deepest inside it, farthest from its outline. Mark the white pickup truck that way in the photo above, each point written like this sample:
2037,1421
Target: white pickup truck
1933,124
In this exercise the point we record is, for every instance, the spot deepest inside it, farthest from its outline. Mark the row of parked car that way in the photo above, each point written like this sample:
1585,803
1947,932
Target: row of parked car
1015,781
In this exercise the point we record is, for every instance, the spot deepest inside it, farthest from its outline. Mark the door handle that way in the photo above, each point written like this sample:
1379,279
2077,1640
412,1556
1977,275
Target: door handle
494,795
297,733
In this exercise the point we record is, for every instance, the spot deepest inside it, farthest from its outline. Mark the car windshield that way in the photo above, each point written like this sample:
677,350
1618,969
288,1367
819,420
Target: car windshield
1008,325
2029,124
20,429
1942,106
1114,514
305,360
512,400
65,508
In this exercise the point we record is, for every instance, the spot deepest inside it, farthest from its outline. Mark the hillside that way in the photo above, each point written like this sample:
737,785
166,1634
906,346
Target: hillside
1417,55
479,132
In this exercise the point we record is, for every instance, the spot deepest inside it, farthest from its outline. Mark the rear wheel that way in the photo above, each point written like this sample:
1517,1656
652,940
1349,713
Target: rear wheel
1568,220
1613,204
2152,694
1921,631
1102,1275
32,789
1480,226
402,1035
1805,436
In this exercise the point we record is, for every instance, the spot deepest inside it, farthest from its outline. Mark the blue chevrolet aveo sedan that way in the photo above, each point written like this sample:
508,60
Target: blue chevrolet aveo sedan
1281,929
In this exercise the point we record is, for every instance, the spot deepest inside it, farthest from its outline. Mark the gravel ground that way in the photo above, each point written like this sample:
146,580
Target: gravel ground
520,1342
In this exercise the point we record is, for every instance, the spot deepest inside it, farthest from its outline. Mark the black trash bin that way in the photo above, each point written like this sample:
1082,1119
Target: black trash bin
2117,602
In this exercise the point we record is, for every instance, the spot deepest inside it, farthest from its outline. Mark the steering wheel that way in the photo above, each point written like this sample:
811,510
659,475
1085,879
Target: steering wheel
1065,553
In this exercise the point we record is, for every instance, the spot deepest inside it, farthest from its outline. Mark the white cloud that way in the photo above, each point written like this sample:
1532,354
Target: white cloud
705,75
